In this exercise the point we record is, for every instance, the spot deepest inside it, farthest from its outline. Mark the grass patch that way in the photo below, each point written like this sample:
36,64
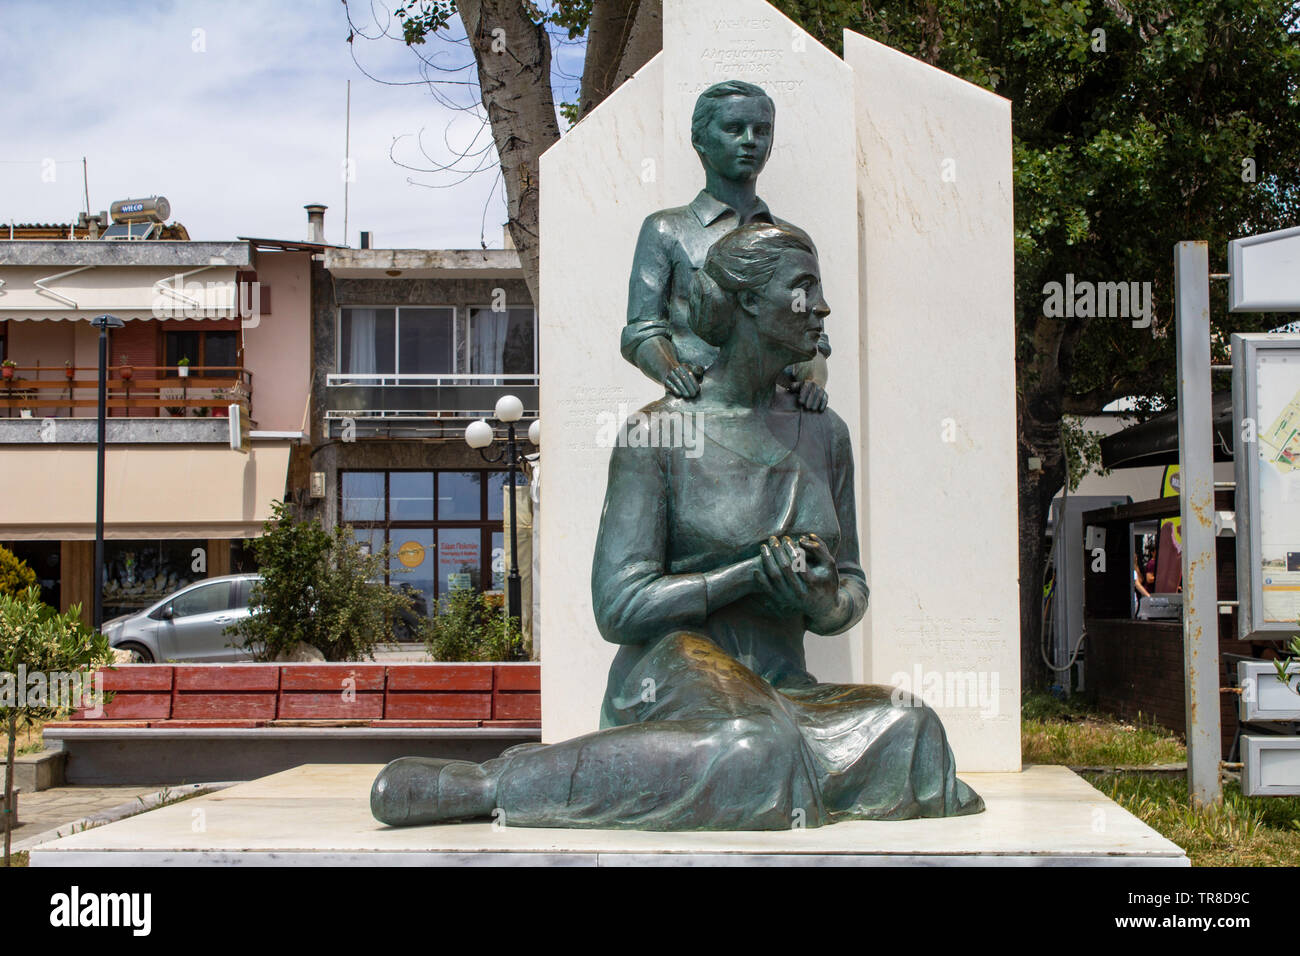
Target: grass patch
1040,705
1054,731
167,797
29,740
18,858
1243,831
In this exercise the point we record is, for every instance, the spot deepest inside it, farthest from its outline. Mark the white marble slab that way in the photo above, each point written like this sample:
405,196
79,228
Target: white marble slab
320,815
937,473
599,183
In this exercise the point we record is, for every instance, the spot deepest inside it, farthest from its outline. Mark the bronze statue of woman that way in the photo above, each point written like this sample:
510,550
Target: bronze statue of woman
709,571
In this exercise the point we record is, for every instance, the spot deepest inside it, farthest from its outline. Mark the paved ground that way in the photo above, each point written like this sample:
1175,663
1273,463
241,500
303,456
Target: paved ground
54,808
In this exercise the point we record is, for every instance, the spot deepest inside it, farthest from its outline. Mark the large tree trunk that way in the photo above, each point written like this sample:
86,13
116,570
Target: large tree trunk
514,73
622,36
1038,414
513,56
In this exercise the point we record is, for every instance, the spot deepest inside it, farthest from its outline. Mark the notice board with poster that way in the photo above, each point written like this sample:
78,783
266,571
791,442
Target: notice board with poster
1169,545
1266,411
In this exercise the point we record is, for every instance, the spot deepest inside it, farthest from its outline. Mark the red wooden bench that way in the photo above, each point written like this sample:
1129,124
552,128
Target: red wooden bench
185,723
260,695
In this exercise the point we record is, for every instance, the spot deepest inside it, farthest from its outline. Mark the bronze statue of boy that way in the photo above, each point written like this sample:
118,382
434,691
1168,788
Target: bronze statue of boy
731,130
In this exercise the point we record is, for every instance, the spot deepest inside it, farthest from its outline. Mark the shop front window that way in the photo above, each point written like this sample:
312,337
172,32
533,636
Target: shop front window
460,559
45,559
138,574
443,529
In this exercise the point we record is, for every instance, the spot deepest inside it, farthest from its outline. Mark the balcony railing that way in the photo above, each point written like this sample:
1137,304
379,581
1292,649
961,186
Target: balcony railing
423,396
206,389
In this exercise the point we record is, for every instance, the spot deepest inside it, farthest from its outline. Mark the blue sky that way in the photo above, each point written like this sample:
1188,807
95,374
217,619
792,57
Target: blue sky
234,110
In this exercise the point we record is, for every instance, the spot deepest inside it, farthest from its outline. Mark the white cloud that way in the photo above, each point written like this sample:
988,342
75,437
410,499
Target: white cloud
239,124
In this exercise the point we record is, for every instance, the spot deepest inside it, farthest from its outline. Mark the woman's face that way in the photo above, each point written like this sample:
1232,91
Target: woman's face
790,311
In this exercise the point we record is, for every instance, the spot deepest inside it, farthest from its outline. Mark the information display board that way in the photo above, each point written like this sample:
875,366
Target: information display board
1266,411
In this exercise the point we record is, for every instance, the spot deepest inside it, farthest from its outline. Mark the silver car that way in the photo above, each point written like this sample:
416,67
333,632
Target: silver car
187,625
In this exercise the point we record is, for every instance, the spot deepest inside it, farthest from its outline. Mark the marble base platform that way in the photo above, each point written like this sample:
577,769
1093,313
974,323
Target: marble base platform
319,815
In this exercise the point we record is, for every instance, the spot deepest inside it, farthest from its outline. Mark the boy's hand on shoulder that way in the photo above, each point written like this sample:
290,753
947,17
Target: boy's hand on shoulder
812,396
684,381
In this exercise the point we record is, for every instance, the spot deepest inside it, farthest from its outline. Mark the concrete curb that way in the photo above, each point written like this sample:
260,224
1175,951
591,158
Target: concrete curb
143,804
1153,768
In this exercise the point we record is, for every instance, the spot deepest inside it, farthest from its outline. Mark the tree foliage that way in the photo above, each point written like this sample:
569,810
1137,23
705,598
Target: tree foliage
318,588
39,650
15,576
1131,122
421,18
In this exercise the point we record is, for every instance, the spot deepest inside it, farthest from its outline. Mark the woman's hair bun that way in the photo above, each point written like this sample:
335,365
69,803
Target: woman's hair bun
745,258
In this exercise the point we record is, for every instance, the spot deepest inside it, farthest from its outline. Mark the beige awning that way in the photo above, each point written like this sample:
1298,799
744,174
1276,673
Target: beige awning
150,491
50,293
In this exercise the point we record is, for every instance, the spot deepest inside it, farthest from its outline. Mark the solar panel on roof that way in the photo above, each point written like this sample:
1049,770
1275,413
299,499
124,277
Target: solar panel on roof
129,230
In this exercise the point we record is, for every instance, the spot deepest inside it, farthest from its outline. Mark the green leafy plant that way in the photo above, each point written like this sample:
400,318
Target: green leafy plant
471,627
1289,656
318,588
183,360
15,576
43,643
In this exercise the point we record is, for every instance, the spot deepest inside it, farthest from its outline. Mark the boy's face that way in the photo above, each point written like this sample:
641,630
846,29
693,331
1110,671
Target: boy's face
738,138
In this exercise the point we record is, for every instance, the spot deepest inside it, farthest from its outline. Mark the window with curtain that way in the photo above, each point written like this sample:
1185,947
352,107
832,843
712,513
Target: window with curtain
407,340
499,342
367,341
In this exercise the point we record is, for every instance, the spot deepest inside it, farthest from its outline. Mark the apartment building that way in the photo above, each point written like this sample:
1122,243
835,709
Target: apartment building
206,326
410,346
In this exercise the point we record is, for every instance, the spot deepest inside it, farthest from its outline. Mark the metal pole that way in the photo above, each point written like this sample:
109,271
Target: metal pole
97,586
1196,508
513,584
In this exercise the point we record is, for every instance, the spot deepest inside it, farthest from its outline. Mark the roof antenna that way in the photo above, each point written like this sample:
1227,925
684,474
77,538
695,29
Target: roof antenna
347,161
85,181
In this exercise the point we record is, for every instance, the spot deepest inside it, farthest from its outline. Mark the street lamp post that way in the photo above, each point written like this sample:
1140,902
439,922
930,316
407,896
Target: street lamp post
103,323
480,435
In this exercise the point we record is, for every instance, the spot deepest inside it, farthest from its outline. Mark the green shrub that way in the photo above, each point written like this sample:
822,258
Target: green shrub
472,628
15,576
318,588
